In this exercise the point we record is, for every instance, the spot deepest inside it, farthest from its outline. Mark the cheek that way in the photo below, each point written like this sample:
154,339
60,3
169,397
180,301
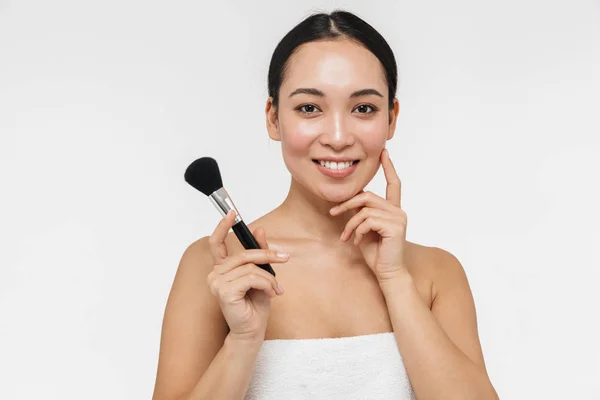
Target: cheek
373,135
297,136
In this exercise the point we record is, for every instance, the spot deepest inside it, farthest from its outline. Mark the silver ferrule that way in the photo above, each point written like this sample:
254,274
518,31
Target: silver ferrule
221,200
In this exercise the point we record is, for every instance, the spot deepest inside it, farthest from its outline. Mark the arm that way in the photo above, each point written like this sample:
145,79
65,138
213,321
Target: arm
198,359
440,347
229,374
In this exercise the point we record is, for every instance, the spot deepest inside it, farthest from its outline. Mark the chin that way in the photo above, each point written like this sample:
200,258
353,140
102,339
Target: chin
337,195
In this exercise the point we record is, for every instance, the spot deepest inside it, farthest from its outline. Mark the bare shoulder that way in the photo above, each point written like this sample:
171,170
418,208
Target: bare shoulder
199,250
433,269
432,263
196,262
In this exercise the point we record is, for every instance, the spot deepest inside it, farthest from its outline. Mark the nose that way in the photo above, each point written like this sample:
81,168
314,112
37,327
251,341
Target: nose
337,133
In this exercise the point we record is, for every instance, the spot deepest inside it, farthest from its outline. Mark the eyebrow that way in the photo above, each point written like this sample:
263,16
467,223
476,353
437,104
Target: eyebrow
317,92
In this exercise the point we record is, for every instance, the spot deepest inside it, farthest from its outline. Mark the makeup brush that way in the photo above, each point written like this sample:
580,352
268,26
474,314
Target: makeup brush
204,175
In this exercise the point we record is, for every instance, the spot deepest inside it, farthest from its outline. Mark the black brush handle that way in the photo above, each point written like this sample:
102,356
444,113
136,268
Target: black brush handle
249,242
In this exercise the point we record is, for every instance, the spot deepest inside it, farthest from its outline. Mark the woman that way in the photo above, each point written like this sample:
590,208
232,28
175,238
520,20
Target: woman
365,313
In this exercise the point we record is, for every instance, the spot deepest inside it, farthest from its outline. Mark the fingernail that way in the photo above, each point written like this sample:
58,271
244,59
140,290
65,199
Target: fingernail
334,209
282,255
280,289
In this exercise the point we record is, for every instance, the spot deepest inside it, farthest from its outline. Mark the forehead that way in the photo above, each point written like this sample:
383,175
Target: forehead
335,63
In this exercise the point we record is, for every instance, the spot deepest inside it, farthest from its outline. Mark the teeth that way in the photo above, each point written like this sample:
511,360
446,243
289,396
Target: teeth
335,166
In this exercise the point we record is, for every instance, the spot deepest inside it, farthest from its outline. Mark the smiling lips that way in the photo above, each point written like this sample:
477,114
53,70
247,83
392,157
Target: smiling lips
336,169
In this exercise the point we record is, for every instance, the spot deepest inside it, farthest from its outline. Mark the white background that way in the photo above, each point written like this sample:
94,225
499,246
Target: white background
104,104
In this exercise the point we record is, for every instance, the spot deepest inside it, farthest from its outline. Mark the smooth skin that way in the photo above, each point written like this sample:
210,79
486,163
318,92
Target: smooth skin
333,102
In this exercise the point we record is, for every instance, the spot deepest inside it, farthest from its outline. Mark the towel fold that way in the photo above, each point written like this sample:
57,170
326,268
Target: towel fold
359,367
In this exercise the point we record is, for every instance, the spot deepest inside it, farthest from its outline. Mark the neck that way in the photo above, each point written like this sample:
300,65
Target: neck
310,214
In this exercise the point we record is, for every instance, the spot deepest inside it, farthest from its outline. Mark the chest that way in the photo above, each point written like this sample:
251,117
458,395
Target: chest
322,300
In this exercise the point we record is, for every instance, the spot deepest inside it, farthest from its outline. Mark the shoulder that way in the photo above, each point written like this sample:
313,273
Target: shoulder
195,264
448,273
431,257
196,257
437,266
200,248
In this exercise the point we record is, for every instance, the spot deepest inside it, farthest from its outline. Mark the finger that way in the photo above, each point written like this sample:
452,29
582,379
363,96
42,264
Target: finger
357,219
251,269
255,256
370,224
366,199
239,287
218,283
261,238
217,239
394,185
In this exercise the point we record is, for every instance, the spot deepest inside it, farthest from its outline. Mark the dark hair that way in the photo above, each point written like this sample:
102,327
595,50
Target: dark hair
337,25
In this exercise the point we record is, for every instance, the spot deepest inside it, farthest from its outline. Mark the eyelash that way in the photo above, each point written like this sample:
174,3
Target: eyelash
299,108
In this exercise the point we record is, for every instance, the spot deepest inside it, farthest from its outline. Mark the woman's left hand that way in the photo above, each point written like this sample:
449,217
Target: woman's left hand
380,225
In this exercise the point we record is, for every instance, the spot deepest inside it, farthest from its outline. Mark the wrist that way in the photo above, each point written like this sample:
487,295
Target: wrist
243,342
396,281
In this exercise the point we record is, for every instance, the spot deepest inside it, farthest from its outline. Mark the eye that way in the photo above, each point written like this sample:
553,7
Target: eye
364,109
307,108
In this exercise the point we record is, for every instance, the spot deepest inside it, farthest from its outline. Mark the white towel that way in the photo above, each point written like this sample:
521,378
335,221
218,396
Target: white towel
359,367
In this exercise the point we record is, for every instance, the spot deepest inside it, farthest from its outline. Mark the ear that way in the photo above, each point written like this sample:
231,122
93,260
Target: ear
393,118
272,120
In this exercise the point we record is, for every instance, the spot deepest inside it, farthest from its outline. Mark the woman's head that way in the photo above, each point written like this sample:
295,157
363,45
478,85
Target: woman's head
332,84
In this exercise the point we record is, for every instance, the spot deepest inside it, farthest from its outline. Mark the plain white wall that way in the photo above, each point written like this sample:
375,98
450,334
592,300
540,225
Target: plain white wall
104,104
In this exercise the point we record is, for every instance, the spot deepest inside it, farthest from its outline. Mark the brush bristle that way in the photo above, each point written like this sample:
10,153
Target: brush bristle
203,174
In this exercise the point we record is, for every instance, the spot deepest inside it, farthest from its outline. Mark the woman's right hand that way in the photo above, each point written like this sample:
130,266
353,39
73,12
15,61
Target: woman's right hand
243,289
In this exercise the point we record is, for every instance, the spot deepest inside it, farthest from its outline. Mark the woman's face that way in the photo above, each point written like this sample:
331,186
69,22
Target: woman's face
333,104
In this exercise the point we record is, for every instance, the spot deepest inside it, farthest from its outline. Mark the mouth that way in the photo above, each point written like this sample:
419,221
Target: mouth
335,166
336,169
